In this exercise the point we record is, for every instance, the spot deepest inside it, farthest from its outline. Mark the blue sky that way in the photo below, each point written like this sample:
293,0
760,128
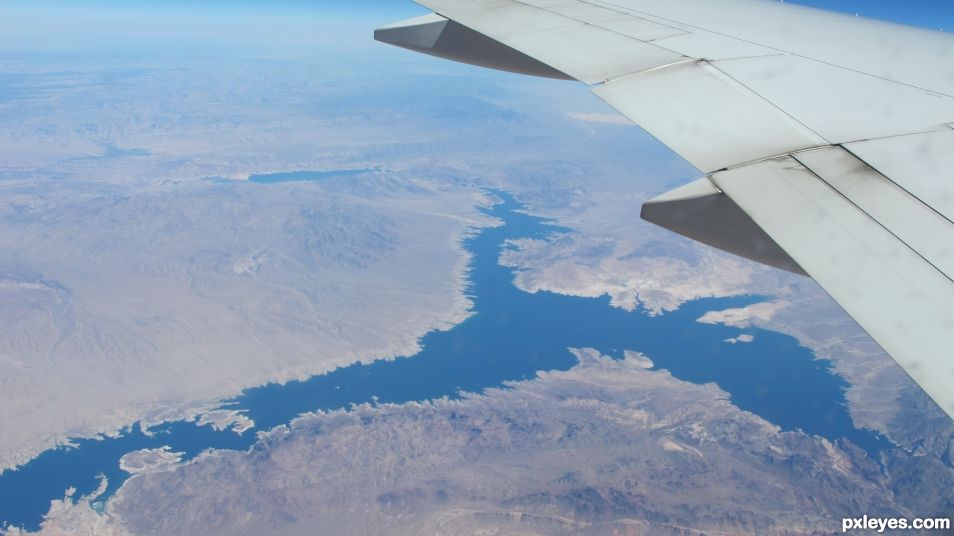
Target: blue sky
935,14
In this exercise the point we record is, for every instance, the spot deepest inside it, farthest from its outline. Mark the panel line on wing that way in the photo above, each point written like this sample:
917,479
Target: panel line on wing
549,9
655,18
897,184
822,96
645,71
654,41
814,170
941,128
659,41
768,101
921,163
706,117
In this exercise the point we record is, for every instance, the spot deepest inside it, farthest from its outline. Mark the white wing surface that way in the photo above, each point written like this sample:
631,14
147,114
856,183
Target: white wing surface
827,141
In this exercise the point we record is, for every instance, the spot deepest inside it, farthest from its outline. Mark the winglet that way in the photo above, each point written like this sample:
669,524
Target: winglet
437,36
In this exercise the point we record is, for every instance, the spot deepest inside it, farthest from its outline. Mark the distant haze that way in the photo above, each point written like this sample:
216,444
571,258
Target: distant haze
262,26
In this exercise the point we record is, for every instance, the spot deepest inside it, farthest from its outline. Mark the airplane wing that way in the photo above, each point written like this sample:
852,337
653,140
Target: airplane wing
826,140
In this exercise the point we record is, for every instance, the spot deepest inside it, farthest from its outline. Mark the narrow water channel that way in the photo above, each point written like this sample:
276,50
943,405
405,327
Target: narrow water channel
511,335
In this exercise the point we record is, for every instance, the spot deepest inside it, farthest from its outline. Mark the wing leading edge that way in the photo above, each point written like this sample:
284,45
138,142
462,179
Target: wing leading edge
826,156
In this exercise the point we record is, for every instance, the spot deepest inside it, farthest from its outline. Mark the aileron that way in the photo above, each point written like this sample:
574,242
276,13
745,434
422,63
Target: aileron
922,164
903,301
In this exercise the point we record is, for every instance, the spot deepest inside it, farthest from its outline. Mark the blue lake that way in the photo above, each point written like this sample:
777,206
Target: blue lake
510,336
297,176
